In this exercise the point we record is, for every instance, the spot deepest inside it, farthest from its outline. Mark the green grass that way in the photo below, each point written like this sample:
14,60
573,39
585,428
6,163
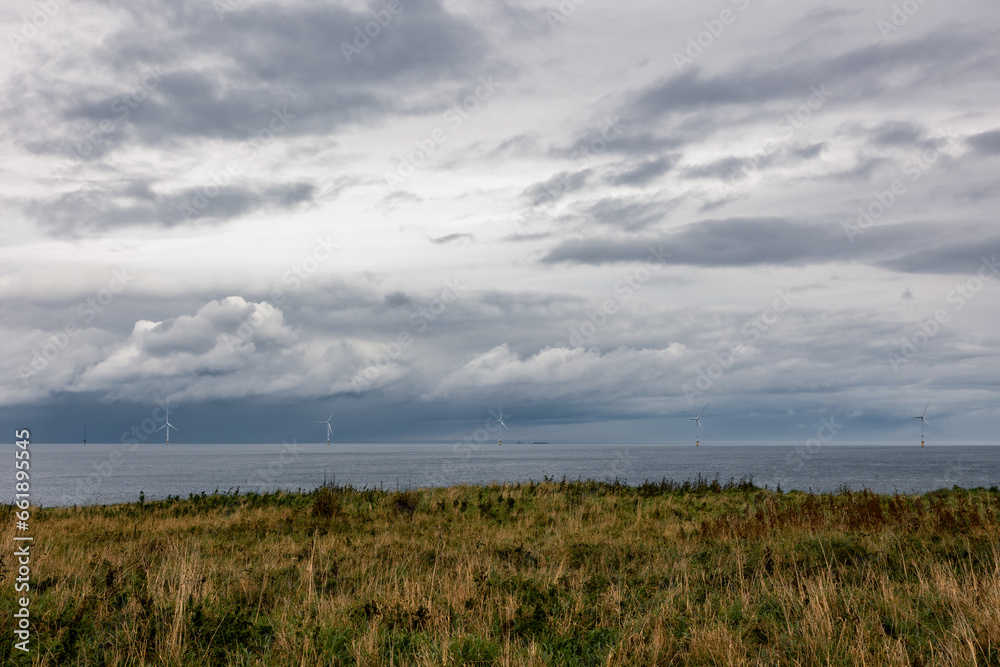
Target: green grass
552,573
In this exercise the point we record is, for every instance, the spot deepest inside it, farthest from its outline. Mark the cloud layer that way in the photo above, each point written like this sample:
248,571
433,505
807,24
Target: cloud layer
409,213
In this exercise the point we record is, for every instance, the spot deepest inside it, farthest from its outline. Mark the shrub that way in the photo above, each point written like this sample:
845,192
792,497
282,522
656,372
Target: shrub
326,502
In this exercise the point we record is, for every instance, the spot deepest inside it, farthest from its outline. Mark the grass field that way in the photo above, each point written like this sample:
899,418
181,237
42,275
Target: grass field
559,573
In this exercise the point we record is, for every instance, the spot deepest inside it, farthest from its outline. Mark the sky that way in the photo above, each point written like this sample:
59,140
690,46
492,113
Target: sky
599,216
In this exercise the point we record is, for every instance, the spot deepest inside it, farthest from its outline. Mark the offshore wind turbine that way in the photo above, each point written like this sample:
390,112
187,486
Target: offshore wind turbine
84,435
329,429
697,425
923,420
500,429
168,425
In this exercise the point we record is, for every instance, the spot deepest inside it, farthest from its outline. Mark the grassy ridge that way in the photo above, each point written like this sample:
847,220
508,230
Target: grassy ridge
562,573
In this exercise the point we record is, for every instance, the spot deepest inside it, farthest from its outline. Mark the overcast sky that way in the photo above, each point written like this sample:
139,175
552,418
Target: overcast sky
599,215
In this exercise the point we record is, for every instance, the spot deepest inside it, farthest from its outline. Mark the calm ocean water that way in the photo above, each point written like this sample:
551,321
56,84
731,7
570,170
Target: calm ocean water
98,474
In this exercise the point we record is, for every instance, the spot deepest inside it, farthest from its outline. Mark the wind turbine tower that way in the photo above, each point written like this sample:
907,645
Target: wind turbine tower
329,429
923,420
502,426
168,425
697,425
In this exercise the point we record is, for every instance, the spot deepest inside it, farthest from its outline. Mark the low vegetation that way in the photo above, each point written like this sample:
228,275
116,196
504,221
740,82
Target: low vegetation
550,573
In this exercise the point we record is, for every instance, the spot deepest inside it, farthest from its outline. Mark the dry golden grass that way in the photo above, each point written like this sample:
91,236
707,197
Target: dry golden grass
571,573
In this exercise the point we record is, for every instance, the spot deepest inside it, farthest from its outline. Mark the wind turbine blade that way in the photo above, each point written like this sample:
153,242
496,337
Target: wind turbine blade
162,427
703,411
925,408
173,427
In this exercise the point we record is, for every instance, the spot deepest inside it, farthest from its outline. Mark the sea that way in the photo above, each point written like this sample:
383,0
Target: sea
76,474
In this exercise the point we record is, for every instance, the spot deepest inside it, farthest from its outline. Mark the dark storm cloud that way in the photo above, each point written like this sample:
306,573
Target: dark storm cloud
556,187
869,70
974,194
290,57
397,300
452,238
104,207
628,142
726,169
518,22
732,242
809,152
893,133
986,142
695,104
864,167
521,145
515,345
628,213
823,16
911,248
642,172
963,257
733,169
